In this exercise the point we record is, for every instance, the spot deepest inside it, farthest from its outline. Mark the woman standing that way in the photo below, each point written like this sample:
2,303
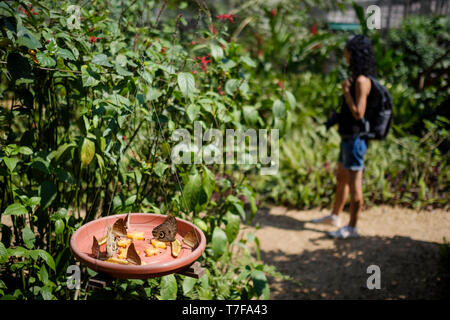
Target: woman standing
358,97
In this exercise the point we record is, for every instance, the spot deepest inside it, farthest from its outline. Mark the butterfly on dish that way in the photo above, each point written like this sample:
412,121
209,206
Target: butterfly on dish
167,230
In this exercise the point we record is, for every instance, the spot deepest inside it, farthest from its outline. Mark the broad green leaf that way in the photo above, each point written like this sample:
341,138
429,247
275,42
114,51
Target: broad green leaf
17,251
248,61
15,209
278,108
232,226
11,163
89,77
291,99
193,111
48,193
159,169
87,152
122,71
3,253
45,60
219,242
192,191
46,293
28,237
29,41
47,258
260,284
101,60
208,182
186,83
216,52
201,224
168,287
231,86
65,54
25,151
250,114
43,275
61,149
188,284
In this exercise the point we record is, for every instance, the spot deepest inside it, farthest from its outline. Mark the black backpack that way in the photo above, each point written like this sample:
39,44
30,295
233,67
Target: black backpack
378,115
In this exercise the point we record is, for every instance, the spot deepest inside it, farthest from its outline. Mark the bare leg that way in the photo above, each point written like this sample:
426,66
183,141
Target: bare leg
356,196
342,188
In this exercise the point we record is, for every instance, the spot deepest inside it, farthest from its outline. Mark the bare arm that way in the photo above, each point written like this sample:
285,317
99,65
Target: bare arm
358,107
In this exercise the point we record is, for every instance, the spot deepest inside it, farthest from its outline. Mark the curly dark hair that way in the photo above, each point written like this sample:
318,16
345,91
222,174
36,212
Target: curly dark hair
362,56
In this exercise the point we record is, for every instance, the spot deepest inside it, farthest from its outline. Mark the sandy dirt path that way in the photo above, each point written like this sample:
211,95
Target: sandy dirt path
403,243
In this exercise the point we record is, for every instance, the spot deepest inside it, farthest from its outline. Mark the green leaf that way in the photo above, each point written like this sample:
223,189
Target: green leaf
231,86
65,54
250,114
278,108
43,275
45,60
208,182
46,257
48,194
25,151
219,242
193,111
192,191
216,52
61,149
188,284
168,287
29,41
122,71
101,60
15,209
28,237
11,163
17,251
291,99
186,82
201,224
159,169
248,61
46,293
232,226
260,284
87,152
89,77
3,253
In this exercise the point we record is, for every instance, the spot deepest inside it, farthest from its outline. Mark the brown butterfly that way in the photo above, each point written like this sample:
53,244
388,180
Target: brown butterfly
95,248
191,239
111,245
119,228
132,255
167,230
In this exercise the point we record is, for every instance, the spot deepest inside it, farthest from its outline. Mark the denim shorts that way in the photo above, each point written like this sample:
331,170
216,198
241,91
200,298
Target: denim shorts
352,152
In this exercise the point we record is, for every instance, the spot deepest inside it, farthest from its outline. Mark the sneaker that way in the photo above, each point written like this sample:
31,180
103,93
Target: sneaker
344,233
330,219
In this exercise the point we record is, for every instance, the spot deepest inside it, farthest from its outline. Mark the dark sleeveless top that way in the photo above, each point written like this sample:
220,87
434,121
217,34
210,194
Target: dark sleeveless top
348,126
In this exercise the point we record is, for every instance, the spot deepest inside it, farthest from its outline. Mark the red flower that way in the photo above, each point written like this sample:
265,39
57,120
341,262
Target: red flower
260,52
213,29
163,50
26,12
194,72
273,12
222,46
314,29
93,39
125,138
204,63
230,17
194,43
280,84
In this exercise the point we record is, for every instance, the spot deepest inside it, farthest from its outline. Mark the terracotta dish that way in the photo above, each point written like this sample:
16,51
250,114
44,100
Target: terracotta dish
155,266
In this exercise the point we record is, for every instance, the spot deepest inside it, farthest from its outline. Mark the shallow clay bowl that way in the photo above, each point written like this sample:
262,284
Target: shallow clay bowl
156,266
